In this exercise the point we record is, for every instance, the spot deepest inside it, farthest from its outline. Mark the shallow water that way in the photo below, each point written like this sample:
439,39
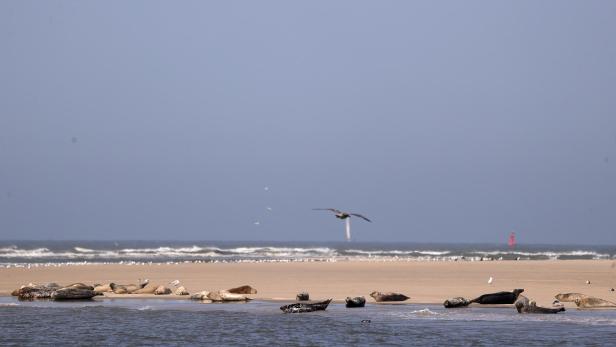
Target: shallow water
175,322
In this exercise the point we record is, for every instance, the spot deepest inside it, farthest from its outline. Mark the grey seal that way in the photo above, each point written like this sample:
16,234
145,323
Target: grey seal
523,305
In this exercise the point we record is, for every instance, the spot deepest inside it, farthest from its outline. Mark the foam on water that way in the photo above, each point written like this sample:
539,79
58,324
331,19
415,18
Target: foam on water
22,253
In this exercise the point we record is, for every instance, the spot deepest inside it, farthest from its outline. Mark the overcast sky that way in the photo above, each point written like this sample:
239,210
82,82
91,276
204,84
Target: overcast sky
447,121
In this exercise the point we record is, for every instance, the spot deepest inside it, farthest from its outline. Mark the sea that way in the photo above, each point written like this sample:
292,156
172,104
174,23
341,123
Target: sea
50,253
169,322
162,322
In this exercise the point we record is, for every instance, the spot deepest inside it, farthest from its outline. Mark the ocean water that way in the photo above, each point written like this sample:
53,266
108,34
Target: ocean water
23,253
129,322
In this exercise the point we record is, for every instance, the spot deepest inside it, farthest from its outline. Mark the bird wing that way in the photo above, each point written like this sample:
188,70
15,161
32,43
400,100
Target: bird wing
328,209
360,216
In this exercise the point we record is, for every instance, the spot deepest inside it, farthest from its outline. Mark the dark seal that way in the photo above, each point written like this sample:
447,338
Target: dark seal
358,301
498,298
305,307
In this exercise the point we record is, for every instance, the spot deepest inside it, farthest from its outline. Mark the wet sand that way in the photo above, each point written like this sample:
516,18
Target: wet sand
424,282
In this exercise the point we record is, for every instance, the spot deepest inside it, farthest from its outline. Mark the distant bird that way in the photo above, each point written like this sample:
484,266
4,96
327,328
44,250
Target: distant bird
175,283
268,208
257,223
490,280
346,217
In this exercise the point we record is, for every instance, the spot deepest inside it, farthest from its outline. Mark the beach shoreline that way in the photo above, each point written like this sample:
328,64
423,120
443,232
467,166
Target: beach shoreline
426,282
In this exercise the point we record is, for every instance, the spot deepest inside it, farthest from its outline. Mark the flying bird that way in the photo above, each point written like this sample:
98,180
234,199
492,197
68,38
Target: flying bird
346,217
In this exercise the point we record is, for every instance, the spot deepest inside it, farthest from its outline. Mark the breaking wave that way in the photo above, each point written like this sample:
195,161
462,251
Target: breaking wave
144,251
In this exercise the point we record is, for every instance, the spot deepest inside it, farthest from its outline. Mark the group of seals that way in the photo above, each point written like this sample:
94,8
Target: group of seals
499,298
141,288
524,305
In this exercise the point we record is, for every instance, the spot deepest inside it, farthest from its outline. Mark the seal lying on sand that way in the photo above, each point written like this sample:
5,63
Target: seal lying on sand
200,296
523,305
223,295
162,290
103,288
498,298
590,302
73,293
456,302
242,290
358,301
181,291
569,297
127,288
583,300
35,292
305,307
381,297
146,290
79,286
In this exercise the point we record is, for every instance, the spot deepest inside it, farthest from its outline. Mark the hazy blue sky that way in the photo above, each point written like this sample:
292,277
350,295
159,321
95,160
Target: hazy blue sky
440,120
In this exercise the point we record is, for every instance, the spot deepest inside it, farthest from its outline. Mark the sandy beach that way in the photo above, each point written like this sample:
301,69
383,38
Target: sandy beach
424,282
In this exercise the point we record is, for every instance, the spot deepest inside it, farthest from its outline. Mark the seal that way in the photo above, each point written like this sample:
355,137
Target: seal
305,307
202,295
35,292
162,290
523,305
127,288
146,290
73,293
223,295
456,302
181,291
358,301
591,302
242,290
569,297
103,288
498,298
382,297
79,286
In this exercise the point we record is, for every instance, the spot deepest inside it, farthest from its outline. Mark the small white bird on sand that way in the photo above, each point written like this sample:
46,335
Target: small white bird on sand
174,283
490,280
587,282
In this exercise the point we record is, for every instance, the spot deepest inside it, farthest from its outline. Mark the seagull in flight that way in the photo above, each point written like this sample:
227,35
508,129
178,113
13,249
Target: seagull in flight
346,217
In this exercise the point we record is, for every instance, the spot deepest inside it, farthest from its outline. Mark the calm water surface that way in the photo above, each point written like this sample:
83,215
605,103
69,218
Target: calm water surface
173,322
